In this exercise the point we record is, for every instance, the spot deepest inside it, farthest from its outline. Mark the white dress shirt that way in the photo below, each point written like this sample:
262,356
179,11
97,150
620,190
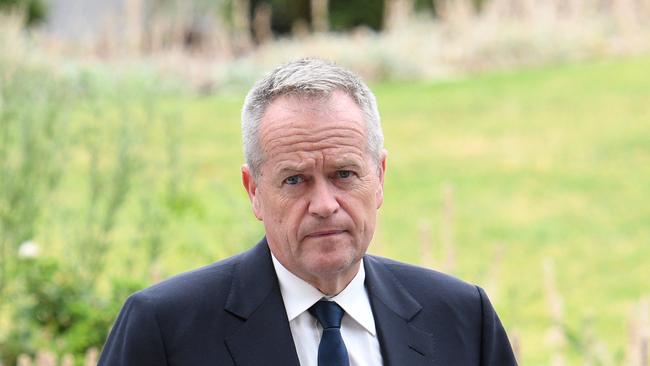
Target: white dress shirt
357,326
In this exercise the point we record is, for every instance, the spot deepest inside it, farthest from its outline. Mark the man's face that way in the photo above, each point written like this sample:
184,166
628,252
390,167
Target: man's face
318,189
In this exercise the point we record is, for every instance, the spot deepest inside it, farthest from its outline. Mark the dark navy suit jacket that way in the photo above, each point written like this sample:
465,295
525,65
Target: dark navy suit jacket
231,313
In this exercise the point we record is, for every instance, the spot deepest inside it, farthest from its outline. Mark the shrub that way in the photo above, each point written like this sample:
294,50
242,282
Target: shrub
34,10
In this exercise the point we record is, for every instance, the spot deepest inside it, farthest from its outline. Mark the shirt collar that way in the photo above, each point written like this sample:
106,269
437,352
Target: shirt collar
299,296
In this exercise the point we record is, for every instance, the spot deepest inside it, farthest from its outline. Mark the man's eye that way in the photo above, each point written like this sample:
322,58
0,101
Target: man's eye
293,180
344,174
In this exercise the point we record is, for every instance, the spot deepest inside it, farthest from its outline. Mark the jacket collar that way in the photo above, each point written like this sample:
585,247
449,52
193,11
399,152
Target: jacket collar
255,299
394,309
264,333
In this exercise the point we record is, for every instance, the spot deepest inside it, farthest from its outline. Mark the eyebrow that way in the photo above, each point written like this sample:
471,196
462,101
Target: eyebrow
299,167
290,168
346,162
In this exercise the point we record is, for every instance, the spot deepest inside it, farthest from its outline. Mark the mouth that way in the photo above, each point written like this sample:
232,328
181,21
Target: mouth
325,233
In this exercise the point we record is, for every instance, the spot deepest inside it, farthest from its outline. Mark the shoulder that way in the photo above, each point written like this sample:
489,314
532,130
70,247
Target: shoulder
203,286
457,314
428,285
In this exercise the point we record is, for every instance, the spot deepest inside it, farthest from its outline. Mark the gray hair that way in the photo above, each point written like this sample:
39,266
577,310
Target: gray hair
312,78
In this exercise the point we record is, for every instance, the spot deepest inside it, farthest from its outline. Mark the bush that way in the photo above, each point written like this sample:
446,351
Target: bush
34,10
59,311
64,302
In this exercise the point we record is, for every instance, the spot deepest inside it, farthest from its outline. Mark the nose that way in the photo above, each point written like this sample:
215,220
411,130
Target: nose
322,202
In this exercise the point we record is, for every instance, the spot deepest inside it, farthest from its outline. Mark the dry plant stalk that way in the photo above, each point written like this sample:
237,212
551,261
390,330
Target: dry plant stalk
24,360
515,341
491,284
107,42
463,38
262,23
556,336
67,360
456,13
45,358
241,24
92,356
12,42
638,334
320,15
449,251
397,13
426,245
133,12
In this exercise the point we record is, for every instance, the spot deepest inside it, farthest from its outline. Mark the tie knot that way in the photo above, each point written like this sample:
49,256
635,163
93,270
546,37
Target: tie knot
328,313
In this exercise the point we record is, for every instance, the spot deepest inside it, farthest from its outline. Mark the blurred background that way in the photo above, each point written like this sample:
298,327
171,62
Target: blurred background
518,134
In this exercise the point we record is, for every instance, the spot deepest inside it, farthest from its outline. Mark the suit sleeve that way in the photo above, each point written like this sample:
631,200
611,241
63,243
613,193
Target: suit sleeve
495,347
135,339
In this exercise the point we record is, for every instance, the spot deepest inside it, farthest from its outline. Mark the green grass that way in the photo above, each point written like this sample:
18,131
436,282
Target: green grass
551,163
545,164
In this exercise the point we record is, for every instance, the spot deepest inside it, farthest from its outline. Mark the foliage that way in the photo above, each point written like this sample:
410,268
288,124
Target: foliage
544,163
51,126
285,13
345,15
32,135
58,310
35,10
460,41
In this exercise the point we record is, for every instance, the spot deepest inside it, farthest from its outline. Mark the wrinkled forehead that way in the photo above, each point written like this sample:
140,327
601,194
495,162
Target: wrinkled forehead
308,128
289,163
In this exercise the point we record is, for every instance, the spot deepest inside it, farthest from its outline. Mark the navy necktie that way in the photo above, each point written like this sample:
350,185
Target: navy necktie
331,351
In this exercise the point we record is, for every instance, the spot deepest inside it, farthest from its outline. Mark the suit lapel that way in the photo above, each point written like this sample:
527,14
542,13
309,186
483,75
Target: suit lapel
264,336
393,308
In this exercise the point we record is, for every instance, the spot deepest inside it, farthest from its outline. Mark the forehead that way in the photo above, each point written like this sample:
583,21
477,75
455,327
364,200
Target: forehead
299,129
336,105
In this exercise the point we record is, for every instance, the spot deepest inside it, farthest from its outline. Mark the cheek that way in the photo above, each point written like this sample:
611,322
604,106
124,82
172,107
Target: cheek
283,209
366,194
273,202
361,205
288,213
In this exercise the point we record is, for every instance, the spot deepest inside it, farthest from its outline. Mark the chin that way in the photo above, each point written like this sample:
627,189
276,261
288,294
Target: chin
332,264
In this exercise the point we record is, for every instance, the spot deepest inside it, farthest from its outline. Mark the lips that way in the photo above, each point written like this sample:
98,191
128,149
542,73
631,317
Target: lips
325,233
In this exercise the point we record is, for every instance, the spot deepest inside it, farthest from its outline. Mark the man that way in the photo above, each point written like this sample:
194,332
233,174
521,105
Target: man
307,294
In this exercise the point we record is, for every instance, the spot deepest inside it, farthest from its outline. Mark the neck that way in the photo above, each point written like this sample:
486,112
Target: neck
333,285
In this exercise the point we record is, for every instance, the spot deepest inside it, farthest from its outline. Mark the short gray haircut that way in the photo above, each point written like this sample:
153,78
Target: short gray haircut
312,78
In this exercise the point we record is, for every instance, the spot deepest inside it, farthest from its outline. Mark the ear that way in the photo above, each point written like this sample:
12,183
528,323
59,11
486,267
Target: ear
382,171
250,186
